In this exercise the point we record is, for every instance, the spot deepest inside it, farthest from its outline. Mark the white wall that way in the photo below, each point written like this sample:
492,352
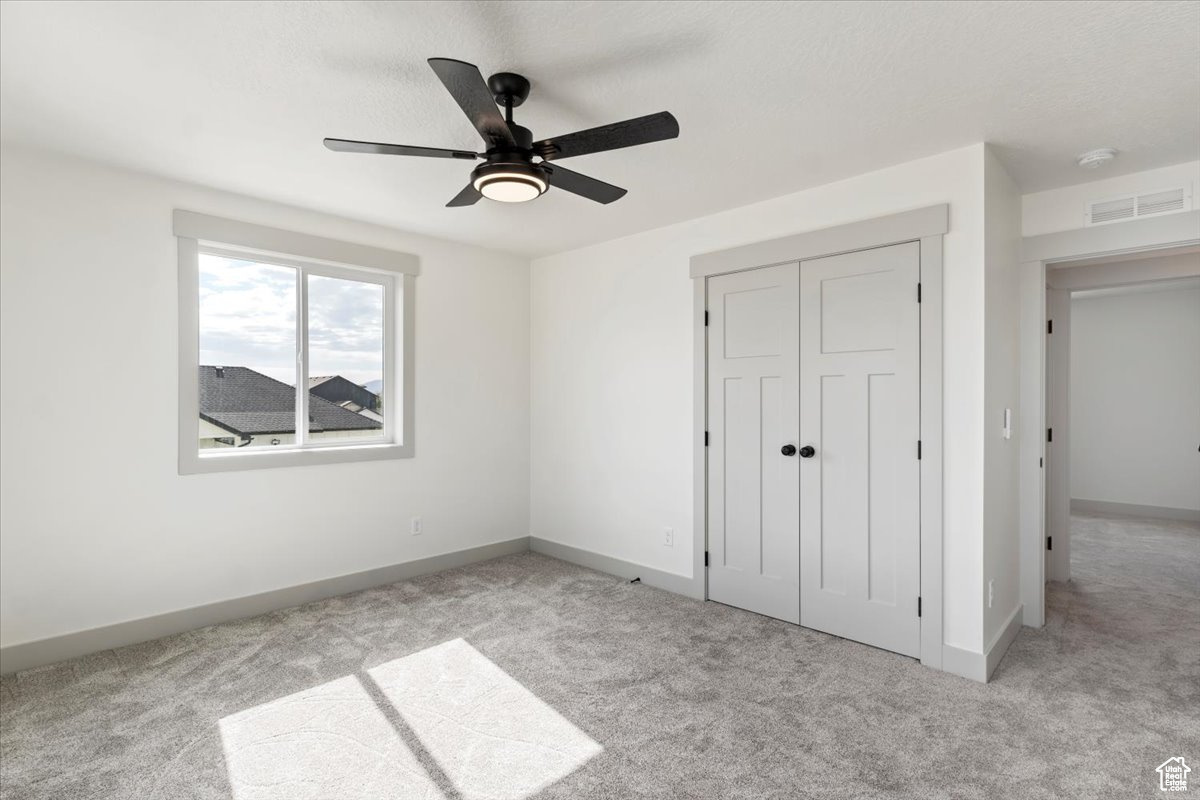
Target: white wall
612,348
1135,398
1002,384
1063,209
98,531
1179,263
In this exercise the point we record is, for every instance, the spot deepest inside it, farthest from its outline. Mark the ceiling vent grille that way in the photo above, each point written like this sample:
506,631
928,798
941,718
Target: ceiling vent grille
1120,209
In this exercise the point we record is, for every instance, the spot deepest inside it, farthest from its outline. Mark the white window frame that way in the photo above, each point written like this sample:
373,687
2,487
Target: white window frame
309,255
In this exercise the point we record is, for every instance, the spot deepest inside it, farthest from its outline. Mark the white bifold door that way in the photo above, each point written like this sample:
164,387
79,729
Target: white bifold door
753,410
813,420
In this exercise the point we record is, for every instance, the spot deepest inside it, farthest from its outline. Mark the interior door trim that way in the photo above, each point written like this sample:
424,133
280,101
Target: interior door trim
906,226
926,226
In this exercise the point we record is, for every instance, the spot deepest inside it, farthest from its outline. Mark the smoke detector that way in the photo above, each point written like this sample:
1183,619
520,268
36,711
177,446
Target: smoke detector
1095,158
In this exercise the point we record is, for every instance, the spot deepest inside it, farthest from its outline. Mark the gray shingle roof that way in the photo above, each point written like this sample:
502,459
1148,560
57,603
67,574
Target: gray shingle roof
244,401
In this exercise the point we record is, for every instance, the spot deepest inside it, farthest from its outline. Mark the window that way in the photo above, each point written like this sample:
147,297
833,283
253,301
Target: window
294,350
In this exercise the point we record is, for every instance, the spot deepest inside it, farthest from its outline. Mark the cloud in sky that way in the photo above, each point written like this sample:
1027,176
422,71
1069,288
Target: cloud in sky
345,328
248,319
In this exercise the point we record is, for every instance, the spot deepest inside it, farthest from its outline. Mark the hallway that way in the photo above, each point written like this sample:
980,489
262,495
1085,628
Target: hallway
1122,641
1158,556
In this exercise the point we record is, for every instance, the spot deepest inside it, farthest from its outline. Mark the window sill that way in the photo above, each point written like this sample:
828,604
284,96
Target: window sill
193,463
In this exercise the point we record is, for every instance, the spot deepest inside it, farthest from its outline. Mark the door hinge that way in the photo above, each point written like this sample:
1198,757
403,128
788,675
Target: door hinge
706,319
1049,434
918,292
1049,542
706,438
1049,326
706,558
918,605
1039,463
918,449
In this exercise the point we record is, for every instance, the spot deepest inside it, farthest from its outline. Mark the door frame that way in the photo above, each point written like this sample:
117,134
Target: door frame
926,226
1137,236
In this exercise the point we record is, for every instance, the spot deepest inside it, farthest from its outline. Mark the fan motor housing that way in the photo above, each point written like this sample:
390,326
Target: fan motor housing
523,137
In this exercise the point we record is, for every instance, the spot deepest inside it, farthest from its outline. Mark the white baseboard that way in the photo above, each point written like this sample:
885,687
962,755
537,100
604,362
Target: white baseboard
1135,510
1003,640
964,663
26,655
659,579
980,666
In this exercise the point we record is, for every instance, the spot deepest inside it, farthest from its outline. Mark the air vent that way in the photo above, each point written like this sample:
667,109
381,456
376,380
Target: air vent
1168,201
1112,210
1161,203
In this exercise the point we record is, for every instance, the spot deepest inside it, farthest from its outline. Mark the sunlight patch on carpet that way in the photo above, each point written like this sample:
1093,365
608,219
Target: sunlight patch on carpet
328,741
480,733
491,736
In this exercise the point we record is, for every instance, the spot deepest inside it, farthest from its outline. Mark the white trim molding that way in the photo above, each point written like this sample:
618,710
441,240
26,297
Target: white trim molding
926,226
1135,510
659,579
220,231
395,271
906,226
27,655
932,501
1135,236
981,666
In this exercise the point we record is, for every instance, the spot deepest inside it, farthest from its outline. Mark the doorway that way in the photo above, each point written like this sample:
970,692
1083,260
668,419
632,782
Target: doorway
1124,401
1059,274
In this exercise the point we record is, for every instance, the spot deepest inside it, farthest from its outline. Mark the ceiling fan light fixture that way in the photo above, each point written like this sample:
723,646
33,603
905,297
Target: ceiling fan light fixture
509,174
509,183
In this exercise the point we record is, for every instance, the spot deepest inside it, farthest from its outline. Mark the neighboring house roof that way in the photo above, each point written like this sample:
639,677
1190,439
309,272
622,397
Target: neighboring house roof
248,402
340,391
350,405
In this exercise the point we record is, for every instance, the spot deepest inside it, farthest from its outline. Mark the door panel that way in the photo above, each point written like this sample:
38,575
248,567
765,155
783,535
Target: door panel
1058,462
753,410
860,410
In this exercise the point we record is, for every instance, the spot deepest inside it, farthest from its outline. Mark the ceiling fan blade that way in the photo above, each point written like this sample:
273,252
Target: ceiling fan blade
582,185
467,197
466,84
351,146
643,130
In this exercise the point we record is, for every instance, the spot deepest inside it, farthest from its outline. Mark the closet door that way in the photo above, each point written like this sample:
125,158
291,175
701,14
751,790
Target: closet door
753,418
860,415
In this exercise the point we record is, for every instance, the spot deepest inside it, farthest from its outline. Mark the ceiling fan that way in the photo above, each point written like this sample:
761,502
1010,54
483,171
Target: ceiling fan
509,172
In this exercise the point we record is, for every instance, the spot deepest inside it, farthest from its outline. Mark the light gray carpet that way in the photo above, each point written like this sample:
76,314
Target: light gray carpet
526,676
1136,553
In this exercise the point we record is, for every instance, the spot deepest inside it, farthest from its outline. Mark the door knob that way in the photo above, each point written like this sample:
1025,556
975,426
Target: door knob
807,451
788,449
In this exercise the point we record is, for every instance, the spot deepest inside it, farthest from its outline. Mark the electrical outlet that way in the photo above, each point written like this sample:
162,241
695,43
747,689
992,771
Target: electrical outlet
669,537
991,592
416,526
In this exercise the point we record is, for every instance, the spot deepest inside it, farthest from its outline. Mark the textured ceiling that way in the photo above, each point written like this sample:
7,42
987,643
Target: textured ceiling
771,97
